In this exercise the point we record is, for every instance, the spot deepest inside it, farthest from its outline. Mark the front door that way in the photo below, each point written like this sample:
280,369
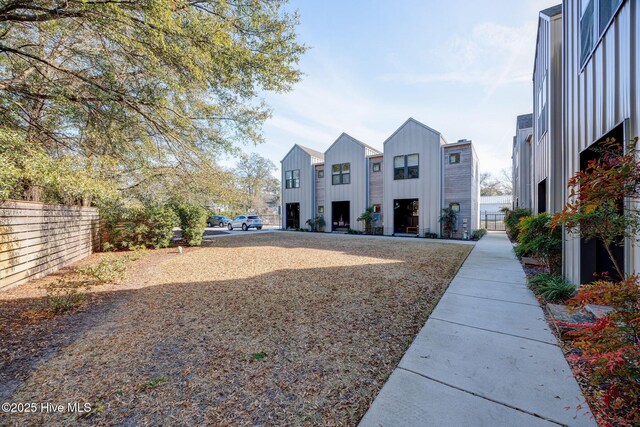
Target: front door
293,215
340,218
405,216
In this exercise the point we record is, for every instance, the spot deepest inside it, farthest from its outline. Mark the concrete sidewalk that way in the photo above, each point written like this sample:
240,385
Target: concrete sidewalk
485,357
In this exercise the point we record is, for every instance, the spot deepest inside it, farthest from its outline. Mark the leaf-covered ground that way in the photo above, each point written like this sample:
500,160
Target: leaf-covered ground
259,329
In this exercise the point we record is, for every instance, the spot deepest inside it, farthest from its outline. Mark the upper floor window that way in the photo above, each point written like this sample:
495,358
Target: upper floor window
292,179
542,108
320,173
595,16
454,158
406,167
341,173
377,166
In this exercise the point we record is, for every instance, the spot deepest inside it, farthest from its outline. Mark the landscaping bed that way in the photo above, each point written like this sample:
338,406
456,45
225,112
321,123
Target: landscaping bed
271,328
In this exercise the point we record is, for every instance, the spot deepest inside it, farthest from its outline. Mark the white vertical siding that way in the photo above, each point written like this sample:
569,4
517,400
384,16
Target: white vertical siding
297,158
413,137
597,98
346,150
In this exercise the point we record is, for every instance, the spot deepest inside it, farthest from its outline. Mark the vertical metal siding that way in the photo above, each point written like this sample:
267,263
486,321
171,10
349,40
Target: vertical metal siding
412,138
346,150
298,159
597,98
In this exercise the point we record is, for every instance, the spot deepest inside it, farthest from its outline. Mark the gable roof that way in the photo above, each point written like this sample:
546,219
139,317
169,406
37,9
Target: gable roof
309,151
312,152
525,121
344,134
552,11
410,120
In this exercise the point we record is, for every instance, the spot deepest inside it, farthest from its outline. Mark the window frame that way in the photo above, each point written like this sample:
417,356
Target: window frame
291,182
341,174
454,155
376,167
597,31
320,173
451,205
543,101
321,209
406,169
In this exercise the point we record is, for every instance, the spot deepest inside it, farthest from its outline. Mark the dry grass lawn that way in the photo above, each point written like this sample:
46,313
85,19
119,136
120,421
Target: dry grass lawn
258,329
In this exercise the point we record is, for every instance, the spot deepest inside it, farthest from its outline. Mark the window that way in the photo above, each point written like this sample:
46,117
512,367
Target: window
320,209
595,16
292,179
377,209
454,158
606,11
341,174
455,207
542,108
405,167
376,167
320,173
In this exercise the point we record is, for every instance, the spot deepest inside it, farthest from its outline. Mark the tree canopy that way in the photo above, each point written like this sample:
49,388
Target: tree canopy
136,92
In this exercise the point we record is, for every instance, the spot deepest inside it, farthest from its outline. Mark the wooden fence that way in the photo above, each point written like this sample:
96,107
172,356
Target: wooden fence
38,239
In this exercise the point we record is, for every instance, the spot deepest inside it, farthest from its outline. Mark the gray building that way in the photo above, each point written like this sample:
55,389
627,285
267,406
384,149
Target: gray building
521,162
546,142
407,184
601,99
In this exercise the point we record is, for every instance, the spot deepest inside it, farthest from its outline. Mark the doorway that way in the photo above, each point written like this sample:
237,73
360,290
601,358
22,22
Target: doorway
340,218
293,215
594,259
405,216
542,196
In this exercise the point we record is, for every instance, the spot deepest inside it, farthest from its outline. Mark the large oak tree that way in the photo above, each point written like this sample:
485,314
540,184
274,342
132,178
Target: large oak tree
141,91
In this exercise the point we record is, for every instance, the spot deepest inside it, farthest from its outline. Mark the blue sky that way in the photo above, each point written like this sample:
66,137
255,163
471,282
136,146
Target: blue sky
459,66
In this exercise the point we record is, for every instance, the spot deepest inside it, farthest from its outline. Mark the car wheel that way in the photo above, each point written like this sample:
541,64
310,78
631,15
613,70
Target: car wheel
244,227
208,224
230,227
259,228
221,224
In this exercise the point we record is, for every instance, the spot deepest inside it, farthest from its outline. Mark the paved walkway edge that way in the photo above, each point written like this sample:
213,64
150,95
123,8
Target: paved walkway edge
485,357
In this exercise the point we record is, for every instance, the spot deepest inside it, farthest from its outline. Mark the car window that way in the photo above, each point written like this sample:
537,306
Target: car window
253,217
240,217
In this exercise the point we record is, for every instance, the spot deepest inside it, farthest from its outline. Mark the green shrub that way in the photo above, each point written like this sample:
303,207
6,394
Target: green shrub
63,295
430,235
138,227
193,221
108,270
551,287
478,234
541,241
316,224
448,219
512,221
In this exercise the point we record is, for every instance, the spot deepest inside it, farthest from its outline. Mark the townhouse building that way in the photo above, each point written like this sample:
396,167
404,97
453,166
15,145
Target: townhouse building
407,183
522,162
586,91
547,181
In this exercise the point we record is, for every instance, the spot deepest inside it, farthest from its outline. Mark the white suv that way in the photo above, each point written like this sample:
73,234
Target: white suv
246,222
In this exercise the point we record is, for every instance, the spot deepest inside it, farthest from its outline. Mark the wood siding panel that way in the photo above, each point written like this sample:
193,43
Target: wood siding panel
376,183
458,185
37,239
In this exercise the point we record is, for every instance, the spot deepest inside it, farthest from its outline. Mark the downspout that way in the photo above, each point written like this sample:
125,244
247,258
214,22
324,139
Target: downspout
442,177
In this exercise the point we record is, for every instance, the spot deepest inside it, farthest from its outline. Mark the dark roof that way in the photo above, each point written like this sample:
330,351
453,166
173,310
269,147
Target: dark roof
552,11
525,121
312,152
